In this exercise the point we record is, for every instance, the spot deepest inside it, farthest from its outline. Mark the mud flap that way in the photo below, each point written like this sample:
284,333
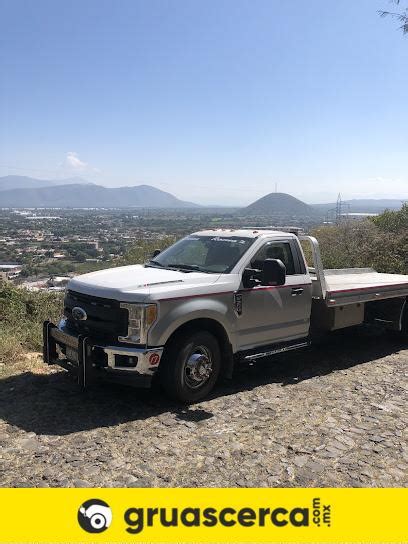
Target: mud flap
50,355
85,366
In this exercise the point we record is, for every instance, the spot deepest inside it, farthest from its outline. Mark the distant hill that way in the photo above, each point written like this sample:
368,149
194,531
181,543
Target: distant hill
25,182
279,204
90,196
364,205
25,192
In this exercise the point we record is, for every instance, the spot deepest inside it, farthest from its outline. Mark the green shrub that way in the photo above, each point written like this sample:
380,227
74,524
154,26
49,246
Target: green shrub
393,221
380,243
11,348
141,251
22,313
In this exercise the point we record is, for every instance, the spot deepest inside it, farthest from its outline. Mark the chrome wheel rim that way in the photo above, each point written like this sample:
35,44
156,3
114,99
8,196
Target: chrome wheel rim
198,367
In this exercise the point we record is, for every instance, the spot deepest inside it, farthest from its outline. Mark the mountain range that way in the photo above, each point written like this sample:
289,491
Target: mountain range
78,193
25,182
27,192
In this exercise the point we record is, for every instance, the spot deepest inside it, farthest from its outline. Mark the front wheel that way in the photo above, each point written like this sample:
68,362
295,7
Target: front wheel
191,366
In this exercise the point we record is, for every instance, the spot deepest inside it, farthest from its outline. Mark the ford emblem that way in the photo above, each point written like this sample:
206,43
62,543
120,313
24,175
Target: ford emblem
79,314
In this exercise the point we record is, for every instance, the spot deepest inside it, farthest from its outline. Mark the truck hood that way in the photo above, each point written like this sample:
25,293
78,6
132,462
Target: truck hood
139,284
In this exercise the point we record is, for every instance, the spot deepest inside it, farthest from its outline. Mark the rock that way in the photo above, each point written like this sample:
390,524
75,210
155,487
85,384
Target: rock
300,460
337,445
314,466
30,444
140,482
81,483
376,438
92,470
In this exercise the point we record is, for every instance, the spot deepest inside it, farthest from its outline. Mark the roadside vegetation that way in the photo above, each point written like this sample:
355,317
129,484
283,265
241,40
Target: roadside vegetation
22,313
380,242
142,250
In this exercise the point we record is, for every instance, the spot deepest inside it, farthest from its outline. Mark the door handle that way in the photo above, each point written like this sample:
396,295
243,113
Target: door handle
296,291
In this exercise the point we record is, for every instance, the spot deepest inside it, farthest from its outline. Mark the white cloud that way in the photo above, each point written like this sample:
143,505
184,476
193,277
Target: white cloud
74,165
73,162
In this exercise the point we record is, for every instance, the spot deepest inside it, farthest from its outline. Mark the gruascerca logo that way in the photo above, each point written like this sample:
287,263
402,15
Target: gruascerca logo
94,516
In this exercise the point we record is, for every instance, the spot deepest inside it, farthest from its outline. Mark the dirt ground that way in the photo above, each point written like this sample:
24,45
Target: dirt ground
333,415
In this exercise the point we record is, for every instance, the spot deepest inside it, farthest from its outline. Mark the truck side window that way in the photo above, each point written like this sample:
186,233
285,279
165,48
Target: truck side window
275,250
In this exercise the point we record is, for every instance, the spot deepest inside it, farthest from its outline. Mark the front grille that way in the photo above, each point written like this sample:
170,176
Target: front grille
106,320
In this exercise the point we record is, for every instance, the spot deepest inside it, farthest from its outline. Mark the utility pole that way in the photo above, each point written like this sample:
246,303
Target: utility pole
340,206
338,209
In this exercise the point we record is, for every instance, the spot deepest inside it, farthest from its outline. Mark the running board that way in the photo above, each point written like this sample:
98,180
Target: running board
276,350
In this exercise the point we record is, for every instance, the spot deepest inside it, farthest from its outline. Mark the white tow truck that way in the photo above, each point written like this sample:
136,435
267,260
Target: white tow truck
212,299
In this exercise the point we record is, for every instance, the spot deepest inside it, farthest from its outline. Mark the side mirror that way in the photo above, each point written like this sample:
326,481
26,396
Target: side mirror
273,273
250,278
155,253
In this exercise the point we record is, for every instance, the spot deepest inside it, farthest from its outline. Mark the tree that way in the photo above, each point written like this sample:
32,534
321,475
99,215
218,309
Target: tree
380,243
143,248
393,221
400,16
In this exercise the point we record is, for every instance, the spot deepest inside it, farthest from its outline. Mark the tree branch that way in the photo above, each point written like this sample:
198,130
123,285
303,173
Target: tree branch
402,17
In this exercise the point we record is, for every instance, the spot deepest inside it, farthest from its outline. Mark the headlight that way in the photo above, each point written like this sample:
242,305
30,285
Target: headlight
141,318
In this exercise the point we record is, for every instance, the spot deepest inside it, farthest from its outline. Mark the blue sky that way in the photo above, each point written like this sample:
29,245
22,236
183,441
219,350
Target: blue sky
214,101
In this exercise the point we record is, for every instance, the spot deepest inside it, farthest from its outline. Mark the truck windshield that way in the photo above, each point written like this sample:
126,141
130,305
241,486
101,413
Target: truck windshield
211,254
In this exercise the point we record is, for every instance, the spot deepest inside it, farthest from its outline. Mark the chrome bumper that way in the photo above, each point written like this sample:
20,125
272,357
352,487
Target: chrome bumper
89,360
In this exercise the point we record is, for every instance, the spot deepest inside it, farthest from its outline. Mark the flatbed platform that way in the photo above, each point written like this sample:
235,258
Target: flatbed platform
351,285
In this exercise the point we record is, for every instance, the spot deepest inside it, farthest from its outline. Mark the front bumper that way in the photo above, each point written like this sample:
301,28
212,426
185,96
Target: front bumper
90,361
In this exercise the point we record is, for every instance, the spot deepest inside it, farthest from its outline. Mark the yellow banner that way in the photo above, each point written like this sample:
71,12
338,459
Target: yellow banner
203,515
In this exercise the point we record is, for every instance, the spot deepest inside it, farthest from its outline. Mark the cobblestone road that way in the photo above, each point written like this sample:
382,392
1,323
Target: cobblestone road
335,415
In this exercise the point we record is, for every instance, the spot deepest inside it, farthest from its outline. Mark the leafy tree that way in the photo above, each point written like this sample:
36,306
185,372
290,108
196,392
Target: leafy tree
393,221
400,16
380,243
142,250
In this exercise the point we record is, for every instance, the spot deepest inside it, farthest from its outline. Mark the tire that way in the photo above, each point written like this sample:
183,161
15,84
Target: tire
191,366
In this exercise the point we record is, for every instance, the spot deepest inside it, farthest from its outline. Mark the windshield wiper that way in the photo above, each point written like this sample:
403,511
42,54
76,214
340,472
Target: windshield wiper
189,267
183,267
154,263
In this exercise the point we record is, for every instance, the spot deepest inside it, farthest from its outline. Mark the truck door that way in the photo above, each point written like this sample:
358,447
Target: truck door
276,314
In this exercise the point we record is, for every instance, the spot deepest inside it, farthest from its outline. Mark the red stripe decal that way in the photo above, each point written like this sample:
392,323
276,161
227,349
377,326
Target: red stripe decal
253,289
197,296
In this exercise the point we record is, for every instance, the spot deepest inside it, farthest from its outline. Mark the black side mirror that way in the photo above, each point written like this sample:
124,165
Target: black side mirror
250,278
273,272
155,253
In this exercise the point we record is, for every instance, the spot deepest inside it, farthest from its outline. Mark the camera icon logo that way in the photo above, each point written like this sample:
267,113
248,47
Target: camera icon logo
94,516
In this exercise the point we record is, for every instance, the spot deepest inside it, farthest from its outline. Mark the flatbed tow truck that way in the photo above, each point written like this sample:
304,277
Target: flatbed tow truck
214,298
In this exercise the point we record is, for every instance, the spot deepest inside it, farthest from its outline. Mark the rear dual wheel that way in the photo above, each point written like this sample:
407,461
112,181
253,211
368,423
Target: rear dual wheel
191,366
